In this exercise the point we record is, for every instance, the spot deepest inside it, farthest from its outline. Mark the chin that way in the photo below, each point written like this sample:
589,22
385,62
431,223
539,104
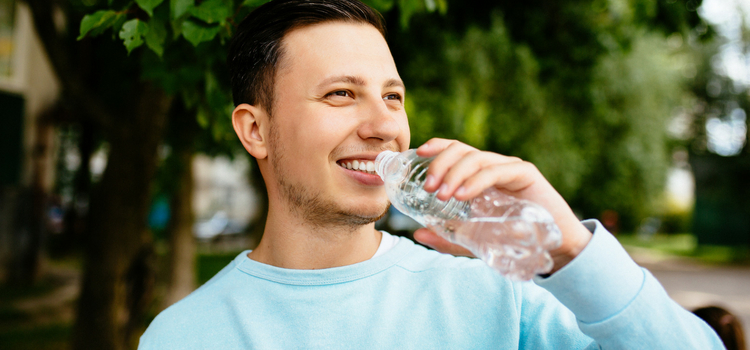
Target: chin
369,213
370,208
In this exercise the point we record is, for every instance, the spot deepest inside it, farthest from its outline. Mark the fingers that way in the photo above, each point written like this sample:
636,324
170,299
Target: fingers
443,163
432,240
434,146
512,177
463,172
477,171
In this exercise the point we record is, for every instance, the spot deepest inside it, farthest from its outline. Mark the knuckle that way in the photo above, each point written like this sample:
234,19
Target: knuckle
530,166
453,144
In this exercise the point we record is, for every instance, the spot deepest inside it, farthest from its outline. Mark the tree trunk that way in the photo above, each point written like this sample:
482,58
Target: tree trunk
182,132
181,242
118,250
75,218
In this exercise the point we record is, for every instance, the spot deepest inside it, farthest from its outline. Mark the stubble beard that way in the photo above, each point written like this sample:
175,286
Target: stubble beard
312,206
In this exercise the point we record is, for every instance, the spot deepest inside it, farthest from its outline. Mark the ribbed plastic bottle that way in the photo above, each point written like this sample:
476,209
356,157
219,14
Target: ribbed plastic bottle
511,235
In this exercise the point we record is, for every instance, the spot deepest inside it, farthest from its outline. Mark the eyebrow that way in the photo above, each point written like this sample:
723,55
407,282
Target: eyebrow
343,79
394,82
357,81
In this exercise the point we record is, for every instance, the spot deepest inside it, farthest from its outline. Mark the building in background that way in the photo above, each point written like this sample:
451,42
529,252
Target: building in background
224,203
28,88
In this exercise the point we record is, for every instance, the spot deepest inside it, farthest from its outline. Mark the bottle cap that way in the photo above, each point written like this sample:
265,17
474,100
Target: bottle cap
382,160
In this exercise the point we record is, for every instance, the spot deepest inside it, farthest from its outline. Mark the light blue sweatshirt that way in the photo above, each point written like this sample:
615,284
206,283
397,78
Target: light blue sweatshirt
415,298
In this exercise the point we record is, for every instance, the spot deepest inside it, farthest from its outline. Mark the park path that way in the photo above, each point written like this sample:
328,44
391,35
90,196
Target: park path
694,285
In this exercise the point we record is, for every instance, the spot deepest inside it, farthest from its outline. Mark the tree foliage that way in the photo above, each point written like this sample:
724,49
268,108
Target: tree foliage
186,42
582,89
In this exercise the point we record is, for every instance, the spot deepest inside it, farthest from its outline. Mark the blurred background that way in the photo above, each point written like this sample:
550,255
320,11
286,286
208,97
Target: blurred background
123,186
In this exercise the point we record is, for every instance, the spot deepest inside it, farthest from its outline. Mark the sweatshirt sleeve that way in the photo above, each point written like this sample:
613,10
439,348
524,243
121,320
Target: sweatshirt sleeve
621,305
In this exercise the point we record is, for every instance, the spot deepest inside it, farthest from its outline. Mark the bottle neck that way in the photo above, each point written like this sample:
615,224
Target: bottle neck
382,161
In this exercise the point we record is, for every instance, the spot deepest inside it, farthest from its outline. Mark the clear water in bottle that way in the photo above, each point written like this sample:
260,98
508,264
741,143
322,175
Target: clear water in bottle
511,235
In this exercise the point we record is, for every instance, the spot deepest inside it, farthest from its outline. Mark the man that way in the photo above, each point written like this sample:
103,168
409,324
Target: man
316,89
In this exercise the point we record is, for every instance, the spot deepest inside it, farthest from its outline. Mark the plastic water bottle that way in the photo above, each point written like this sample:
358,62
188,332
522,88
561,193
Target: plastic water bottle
511,235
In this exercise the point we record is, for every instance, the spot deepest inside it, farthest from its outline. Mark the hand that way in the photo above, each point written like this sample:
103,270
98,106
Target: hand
464,172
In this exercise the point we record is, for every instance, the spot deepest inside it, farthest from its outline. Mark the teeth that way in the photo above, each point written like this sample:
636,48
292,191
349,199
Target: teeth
363,165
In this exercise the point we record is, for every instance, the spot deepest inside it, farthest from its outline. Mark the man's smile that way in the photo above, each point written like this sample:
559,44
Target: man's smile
361,170
361,165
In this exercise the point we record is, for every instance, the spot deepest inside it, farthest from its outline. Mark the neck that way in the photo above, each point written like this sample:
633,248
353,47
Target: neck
290,242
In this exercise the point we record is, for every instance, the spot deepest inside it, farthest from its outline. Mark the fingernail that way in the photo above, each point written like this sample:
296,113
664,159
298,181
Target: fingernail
460,191
429,181
442,188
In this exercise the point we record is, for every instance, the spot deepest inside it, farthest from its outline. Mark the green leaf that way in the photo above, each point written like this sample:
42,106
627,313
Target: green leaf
191,97
380,5
442,6
180,7
176,28
132,33
149,5
407,9
196,33
155,36
98,22
212,84
212,11
117,24
202,118
254,3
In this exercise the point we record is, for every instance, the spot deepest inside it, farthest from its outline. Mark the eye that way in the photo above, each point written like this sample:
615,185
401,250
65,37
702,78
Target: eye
339,93
395,97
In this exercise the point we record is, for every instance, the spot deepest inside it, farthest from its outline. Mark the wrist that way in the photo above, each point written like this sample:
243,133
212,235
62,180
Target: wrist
575,238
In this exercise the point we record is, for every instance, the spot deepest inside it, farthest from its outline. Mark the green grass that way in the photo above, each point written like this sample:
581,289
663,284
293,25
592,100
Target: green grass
677,244
686,245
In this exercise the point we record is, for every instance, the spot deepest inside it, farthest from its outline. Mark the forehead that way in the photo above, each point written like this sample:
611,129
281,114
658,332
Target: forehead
331,48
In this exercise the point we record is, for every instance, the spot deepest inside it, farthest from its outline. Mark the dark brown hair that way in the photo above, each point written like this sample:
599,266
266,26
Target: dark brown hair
256,48
726,325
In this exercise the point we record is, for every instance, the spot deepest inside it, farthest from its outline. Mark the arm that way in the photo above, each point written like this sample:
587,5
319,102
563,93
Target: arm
621,305
464,172
613,300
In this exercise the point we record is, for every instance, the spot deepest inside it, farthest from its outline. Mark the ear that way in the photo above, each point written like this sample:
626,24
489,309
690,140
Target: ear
250,124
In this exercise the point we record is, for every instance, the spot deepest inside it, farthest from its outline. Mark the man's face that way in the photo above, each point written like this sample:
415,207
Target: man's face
338,102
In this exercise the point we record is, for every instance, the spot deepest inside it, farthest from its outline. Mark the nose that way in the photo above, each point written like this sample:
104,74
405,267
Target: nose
379,122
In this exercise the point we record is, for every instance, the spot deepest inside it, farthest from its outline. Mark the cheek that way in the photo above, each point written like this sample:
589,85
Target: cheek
405,138
319,134
333,127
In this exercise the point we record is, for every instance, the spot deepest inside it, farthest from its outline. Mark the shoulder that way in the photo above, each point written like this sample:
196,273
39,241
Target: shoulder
195,314
176,326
